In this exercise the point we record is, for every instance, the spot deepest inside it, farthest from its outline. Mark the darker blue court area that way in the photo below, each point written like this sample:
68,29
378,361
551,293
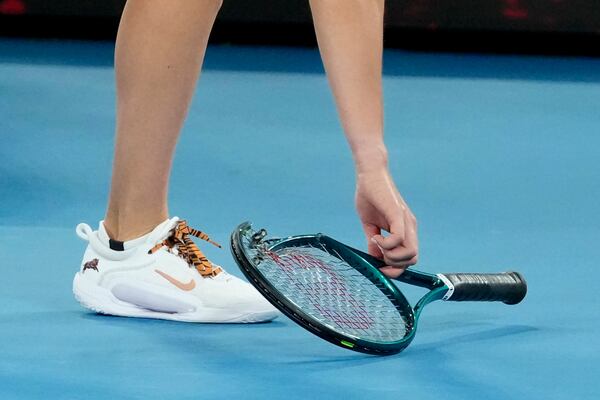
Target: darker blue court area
498,157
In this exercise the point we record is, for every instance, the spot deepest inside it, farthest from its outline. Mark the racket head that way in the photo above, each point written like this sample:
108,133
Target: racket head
326,288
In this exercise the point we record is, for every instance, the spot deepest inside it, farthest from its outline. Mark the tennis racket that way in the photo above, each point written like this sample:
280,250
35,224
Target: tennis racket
338,293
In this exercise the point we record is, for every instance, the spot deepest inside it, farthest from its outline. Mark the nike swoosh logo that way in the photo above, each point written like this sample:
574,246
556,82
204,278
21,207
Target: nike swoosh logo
183,286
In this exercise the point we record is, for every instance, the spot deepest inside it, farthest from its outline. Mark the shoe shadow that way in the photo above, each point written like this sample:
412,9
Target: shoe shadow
135,321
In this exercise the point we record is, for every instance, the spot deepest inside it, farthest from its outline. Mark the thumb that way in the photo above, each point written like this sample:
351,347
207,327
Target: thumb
378,240
372,230
390,242
375,248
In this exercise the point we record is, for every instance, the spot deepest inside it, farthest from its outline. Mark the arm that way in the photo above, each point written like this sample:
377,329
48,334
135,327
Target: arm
350,36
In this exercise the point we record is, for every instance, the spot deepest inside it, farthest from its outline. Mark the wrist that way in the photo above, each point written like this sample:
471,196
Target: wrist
370,157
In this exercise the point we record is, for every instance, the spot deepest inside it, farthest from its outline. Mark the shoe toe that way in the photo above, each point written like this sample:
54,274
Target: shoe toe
238,299
253,302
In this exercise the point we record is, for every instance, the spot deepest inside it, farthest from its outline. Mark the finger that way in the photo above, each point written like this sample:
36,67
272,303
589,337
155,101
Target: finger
412,261
410,228
375,250
411,238
397,233
406,263
392,272
398,222
390,242
398,255
402,255
370,231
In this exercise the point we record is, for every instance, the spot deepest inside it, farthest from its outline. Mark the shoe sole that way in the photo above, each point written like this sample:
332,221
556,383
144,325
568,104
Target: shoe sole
103,301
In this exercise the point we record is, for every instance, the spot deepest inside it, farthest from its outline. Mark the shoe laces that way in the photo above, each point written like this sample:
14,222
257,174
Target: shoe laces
180,240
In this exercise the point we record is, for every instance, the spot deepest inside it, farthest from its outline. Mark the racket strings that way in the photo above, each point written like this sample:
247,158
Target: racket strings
333,292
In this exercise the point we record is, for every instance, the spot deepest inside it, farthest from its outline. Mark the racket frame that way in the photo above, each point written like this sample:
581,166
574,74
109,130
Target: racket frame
363,263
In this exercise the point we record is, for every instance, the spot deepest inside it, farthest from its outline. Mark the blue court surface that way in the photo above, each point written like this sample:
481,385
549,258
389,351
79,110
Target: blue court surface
498,156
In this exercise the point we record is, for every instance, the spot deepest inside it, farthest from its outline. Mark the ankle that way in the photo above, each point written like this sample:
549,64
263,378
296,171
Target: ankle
124,229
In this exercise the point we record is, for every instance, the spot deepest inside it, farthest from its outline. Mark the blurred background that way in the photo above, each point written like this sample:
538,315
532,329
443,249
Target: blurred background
532,26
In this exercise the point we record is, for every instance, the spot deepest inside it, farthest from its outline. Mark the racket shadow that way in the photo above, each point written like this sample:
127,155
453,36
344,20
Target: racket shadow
325,362
490,334
436,347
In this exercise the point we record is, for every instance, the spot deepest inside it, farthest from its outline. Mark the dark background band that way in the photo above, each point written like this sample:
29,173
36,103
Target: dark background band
546,26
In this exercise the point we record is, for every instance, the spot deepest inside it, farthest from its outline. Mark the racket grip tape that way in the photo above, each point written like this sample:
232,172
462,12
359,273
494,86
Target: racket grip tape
507,287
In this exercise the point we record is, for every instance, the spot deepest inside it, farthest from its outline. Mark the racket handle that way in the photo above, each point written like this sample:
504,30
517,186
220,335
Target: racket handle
507,287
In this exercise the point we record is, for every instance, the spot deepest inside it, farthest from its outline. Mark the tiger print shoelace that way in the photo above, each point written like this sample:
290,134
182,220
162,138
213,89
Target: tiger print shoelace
187,249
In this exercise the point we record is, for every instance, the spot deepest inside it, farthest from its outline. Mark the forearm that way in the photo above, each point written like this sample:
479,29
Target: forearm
350,36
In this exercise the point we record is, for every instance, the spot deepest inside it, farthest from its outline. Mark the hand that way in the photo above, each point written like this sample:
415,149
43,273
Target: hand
381,207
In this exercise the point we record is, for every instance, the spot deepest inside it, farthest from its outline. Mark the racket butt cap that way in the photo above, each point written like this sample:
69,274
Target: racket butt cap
520,289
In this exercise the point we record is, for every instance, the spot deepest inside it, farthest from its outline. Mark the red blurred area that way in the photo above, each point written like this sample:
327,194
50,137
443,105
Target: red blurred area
513,9
12,7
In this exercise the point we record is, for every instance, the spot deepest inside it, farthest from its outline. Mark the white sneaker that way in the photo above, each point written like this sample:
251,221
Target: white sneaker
163,275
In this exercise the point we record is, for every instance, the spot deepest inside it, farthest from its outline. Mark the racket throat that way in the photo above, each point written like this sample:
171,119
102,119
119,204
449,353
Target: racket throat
448,284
